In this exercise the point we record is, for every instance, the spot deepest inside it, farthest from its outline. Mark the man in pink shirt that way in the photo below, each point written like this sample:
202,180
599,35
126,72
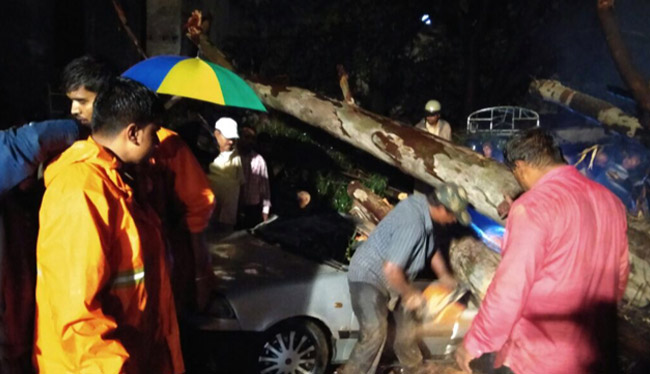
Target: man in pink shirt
551,307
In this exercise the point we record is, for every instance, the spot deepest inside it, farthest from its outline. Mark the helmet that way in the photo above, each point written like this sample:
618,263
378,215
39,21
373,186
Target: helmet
432,106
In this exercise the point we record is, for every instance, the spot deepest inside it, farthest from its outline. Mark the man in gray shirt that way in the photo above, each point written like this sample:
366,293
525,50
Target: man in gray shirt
383,267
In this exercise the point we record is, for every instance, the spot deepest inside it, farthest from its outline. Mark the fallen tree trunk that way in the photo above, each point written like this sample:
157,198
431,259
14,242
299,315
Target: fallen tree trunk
600,110
417,153
434,160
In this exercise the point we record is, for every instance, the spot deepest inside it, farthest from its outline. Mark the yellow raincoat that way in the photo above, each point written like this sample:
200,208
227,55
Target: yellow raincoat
103,297
179,169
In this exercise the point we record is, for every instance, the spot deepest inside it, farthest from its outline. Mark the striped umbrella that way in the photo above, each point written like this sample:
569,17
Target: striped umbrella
194,78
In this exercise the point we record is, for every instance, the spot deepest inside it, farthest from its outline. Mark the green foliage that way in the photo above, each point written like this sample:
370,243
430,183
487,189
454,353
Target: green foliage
377,183
333,188
321,162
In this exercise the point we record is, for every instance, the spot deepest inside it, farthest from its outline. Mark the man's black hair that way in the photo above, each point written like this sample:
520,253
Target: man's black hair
432,198
534,146
85,71
123,101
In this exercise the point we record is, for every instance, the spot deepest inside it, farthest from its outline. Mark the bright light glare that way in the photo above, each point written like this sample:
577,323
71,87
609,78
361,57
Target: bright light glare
426,19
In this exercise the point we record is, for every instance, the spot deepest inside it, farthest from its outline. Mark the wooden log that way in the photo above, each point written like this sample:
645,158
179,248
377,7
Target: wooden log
600,110
419,154
621,56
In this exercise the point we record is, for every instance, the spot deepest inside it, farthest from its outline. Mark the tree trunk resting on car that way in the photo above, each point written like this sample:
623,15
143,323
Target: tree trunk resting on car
600,110
435,161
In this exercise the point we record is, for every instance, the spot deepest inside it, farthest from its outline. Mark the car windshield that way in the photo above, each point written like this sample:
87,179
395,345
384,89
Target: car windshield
321,236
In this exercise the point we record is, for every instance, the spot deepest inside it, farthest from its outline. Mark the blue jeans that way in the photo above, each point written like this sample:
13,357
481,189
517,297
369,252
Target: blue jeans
371,308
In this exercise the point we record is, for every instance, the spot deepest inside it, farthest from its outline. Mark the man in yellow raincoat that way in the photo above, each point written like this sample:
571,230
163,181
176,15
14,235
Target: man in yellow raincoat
180,192
103,298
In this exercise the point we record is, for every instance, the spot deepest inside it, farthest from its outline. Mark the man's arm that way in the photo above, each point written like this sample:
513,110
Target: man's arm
411,297
624,258
522,257
403,242
192,188
24,148
265,189
445,131
439,267
72,275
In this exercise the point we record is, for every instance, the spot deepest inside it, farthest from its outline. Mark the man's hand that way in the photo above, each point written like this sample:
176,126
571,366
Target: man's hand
504,207
413,300
463,359
449,281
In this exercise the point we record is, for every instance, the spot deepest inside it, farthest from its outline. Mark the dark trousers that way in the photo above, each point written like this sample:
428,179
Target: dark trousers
249,216
371,308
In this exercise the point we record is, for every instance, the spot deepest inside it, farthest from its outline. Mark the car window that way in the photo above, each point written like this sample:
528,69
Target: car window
321,236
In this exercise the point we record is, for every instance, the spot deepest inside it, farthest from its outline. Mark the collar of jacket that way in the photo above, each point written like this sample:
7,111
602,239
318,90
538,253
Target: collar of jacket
97,157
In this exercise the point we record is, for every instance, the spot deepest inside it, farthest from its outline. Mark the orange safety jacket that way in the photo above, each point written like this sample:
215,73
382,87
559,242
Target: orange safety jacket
103,298
177,166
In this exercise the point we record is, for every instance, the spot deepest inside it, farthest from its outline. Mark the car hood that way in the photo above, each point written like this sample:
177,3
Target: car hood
244,261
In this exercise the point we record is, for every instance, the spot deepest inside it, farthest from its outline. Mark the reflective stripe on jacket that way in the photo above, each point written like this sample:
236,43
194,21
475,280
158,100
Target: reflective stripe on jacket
103,297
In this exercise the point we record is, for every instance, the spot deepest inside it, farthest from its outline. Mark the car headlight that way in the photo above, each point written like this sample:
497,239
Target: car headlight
219,307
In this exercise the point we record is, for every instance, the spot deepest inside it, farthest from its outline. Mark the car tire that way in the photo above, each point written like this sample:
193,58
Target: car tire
294,347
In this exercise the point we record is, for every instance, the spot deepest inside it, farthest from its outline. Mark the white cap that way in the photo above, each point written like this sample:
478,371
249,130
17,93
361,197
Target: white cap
228,127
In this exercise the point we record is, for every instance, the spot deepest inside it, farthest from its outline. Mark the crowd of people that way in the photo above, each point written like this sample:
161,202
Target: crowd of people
119,241
120,251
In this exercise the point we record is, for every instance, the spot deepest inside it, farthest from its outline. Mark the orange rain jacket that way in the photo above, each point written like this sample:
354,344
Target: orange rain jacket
175,163
103,296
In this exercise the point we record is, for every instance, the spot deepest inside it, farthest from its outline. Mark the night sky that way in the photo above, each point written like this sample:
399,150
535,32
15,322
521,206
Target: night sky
469,54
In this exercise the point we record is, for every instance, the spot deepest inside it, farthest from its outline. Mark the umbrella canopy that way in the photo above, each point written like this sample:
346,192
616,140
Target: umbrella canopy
195,79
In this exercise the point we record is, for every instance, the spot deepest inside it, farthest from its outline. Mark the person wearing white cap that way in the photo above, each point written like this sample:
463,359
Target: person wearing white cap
226,176
432,123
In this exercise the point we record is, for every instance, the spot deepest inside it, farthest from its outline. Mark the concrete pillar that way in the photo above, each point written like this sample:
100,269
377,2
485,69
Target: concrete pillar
164,26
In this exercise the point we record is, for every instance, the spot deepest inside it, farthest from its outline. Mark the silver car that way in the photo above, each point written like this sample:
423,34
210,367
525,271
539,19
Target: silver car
287,281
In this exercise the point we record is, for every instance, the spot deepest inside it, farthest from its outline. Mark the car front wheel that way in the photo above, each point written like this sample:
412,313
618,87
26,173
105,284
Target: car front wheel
294,347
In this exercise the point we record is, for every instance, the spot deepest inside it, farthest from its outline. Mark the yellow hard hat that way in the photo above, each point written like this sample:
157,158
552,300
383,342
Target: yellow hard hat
432,106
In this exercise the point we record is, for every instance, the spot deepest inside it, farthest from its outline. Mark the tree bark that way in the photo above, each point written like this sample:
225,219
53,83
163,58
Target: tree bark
417,153
600,110
630,74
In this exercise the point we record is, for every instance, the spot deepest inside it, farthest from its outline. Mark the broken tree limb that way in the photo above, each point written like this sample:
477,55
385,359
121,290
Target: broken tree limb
122,17
345,87
621,56
374,207
602,111
196,29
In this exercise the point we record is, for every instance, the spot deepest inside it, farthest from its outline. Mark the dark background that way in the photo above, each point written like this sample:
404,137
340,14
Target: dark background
475,53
